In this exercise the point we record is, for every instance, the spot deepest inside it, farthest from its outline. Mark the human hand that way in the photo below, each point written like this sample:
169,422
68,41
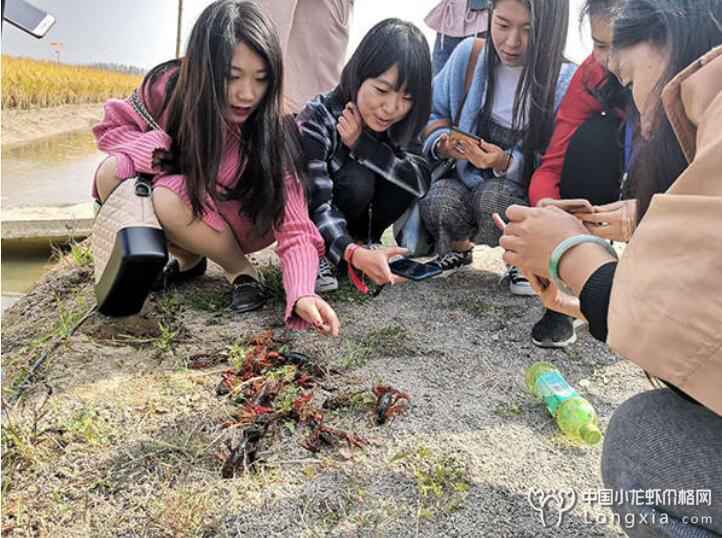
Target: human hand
318,313
553,298
163,160
350,125
485,155
616,221
449,149
533,233
375,264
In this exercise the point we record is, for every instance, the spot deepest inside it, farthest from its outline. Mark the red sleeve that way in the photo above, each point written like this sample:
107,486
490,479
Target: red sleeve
578,104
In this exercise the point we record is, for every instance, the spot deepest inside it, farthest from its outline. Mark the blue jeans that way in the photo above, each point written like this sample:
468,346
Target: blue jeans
443,51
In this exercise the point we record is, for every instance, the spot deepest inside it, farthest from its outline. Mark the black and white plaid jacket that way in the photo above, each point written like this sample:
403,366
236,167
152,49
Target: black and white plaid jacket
405,167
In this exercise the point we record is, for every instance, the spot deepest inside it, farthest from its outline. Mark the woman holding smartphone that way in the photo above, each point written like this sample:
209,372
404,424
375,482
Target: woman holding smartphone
591,145
591,148
660,305
518,82
359,139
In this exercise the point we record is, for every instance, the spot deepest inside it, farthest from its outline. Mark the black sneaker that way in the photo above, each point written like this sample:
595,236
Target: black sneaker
553,330
172,275
453,261
518,283
248,294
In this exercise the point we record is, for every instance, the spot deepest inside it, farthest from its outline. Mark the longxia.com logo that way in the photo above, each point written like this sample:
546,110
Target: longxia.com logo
552,505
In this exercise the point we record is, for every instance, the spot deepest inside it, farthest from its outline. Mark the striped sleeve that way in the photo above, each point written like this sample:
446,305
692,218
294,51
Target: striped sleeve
318,129
406,168
299,248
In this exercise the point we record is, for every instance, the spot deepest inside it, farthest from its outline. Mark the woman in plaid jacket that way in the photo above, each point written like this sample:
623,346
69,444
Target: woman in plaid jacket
360,143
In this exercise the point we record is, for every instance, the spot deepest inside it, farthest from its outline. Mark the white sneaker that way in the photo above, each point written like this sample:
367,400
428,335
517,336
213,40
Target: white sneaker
326,279
518,283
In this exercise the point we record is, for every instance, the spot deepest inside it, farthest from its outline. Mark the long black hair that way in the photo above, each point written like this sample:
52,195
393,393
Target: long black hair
684,30
533,112
195,99
609,92
393,42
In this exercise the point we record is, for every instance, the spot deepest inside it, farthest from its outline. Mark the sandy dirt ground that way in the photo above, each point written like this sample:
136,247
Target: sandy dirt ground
21,126
130,439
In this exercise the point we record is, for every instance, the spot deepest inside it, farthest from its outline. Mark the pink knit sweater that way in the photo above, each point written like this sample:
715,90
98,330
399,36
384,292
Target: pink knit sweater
122,134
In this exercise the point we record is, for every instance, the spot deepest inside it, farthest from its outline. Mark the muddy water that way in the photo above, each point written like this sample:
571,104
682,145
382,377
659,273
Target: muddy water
54,171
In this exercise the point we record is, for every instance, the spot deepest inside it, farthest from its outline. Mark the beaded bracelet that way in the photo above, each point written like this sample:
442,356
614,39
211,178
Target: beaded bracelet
564,247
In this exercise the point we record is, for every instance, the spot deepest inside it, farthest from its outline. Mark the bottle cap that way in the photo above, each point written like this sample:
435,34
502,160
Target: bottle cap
590,434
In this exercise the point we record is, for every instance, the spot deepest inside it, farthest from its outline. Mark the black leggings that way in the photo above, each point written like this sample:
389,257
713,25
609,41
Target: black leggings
355,189
593,165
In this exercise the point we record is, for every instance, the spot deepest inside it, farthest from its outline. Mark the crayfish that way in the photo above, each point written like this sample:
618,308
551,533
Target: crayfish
323,435
389,402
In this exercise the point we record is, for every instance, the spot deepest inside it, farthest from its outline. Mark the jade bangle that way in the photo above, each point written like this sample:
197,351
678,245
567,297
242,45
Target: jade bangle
564,247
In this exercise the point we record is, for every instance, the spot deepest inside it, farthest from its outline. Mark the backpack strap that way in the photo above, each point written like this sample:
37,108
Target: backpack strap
468,79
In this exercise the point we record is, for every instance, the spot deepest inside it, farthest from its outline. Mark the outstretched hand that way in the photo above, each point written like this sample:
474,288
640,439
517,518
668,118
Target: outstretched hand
374,263
318,313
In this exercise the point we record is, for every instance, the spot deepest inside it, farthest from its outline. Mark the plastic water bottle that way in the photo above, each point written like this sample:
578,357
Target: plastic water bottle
574,415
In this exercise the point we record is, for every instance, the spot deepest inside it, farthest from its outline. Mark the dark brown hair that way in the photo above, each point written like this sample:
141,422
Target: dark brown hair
686,29
533,113
393,42
196,101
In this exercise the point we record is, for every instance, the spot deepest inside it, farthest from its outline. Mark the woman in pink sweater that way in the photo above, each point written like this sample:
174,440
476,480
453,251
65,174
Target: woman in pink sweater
225,161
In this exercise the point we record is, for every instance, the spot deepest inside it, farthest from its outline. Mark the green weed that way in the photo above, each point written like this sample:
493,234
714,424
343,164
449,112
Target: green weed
440,479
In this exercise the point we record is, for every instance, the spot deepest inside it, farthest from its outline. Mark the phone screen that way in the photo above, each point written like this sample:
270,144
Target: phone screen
458,134
413,270
28,18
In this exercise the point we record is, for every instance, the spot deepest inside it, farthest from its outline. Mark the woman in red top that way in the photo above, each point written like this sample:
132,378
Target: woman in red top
586,155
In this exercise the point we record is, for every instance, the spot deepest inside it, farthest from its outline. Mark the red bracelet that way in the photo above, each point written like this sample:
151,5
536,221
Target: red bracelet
355,279
348,254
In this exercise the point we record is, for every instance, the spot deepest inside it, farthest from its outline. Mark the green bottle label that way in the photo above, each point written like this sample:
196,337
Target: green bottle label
554,390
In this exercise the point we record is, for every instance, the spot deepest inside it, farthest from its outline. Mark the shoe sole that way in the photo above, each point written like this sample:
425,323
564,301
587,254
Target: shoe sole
327,287
555,345
521,291
449,272
248,308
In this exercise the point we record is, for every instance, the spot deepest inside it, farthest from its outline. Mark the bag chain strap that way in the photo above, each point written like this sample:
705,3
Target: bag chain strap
143,184
140,109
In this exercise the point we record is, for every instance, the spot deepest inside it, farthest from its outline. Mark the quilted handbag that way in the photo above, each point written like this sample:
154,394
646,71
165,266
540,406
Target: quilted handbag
128,243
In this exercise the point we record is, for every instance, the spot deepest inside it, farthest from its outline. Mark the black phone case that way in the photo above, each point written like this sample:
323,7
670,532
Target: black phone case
410,275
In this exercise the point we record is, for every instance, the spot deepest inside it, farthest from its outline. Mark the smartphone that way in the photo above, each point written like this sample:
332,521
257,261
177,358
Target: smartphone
575,205
28,18
412,270
457,135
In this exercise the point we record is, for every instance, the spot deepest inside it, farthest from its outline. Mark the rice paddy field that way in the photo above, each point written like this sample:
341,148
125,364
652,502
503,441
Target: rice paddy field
30,83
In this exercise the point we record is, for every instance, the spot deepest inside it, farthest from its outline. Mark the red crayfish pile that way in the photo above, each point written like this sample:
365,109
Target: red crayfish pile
271,386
